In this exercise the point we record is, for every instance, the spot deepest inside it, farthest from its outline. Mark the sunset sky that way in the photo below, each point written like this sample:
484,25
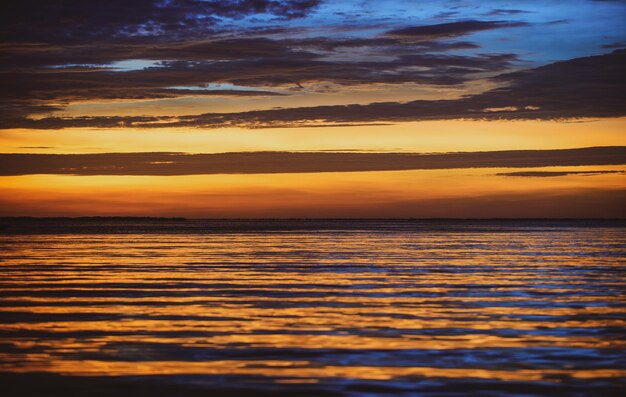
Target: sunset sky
312,108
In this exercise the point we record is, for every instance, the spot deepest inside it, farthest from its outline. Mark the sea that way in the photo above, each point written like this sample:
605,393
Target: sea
178,307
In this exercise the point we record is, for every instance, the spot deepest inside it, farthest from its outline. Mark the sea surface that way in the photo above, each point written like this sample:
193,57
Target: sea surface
173,307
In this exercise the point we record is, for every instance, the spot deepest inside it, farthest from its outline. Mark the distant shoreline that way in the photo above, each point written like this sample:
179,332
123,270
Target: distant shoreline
147,225
151,218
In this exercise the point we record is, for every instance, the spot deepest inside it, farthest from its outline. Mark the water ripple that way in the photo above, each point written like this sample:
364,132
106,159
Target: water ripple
337,308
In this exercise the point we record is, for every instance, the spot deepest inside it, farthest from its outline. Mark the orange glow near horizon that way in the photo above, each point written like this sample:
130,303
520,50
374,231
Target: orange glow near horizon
423,193
464,193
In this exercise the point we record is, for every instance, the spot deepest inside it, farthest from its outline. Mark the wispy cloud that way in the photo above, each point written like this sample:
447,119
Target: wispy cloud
548,174
451,29
504,12
583,87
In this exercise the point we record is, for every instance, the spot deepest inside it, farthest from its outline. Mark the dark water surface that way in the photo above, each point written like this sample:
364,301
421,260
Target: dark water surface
125,307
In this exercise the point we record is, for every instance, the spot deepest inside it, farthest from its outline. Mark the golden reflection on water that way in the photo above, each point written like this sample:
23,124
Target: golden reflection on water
304,369
510,305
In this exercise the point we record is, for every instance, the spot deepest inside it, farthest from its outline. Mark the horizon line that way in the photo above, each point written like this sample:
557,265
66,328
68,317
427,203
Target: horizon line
123,217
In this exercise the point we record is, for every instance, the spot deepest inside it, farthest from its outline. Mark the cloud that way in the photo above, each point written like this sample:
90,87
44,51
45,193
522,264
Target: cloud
55,64
271,65
74,21
296,162
58,53
504,12
451,29
619,44
583,87
548,174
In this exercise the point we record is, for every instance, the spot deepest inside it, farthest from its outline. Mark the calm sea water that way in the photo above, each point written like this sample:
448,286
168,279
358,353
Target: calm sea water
312,308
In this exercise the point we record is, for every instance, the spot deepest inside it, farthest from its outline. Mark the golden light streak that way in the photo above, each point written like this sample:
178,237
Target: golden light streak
427,136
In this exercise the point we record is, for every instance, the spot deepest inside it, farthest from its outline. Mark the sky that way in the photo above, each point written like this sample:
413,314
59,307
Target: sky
313,108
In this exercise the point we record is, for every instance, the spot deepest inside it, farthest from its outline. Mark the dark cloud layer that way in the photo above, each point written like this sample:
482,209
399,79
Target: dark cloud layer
583,87
77,21
451,29
56,53
504,11
296,162
548,174
257,62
